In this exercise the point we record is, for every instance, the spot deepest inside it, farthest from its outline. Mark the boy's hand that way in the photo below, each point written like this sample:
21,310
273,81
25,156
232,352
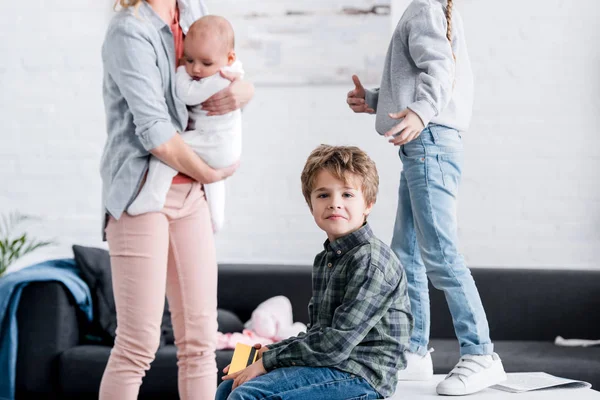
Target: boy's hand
248,373
356,98
261,349
409,129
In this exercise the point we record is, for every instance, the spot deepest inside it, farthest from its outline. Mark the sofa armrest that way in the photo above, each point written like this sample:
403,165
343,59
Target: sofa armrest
48,324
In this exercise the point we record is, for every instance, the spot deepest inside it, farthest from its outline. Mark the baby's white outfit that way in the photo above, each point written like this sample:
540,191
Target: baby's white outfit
216,139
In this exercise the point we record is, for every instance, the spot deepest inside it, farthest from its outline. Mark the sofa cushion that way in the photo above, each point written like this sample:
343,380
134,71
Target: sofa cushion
81,369
529,304
94,264
242,287
228,322
529,356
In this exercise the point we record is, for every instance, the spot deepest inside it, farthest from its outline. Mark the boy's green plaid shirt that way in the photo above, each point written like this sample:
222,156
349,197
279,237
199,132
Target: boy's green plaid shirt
360,319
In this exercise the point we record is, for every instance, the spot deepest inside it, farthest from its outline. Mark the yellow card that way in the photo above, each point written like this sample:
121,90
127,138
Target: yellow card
243,355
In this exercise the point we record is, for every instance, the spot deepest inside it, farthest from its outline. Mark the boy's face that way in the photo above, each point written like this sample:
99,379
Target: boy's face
338,208
205,56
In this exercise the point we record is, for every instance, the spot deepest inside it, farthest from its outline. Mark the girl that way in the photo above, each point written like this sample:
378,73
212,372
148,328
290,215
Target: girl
171,251
427,84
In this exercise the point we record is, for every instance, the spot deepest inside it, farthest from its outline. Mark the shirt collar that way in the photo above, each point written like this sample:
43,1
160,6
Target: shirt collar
189,11
346,243
147,12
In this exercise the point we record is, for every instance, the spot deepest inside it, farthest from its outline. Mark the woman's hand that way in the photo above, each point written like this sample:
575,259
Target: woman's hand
356,98
409,129
234,96
215,175
250,372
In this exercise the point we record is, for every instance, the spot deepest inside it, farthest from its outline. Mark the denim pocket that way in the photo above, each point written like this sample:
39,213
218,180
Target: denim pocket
450,168
446,139
417,152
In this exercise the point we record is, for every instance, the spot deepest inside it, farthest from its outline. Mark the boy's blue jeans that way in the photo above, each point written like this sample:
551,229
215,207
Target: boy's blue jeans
425,239
300,383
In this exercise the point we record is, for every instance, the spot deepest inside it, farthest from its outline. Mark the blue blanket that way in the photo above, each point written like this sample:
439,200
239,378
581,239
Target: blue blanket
11,286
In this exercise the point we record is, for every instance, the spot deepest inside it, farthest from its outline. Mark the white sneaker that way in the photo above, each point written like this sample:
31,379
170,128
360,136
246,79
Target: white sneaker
472,374
418,368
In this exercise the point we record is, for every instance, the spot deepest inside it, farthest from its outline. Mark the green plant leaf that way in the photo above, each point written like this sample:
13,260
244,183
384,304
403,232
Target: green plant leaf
36,245
12,248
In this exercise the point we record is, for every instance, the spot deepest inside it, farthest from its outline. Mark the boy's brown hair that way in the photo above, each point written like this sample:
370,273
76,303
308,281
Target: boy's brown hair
341,161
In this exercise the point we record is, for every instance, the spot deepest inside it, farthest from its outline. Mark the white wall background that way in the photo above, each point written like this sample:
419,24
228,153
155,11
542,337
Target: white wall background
530,195
308,42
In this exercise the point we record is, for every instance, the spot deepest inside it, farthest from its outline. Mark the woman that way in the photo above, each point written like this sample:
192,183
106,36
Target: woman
172,250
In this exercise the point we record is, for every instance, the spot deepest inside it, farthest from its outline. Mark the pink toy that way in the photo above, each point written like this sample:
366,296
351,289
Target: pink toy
270,322
229,340
273,319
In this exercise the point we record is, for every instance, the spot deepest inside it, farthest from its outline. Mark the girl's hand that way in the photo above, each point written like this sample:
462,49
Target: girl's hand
234,96
356,98
248,373
409,129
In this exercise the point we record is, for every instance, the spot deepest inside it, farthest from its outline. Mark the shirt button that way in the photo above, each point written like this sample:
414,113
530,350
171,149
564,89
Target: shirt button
339,252
329,265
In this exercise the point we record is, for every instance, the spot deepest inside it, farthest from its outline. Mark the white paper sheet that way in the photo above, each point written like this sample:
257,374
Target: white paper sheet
519,382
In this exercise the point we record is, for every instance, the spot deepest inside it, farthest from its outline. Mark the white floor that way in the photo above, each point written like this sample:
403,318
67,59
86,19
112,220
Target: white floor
426,390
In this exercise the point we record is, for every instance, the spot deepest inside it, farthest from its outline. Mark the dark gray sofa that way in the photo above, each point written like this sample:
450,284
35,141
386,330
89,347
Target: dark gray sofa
527,309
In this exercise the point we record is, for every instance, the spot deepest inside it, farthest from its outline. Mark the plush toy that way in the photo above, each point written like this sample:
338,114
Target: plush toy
273,319
230,340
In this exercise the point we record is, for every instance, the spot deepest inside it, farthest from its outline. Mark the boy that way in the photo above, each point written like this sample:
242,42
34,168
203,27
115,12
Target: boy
208,49
360,319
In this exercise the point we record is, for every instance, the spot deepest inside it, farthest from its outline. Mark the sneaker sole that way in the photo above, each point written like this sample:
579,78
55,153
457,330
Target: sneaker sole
495,378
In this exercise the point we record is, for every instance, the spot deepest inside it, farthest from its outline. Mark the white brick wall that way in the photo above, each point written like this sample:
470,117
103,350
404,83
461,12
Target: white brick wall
530,194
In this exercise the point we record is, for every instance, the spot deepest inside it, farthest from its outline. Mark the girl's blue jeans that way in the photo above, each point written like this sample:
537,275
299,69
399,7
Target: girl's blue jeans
426,242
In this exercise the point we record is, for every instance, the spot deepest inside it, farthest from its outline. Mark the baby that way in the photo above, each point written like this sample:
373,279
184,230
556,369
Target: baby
208,48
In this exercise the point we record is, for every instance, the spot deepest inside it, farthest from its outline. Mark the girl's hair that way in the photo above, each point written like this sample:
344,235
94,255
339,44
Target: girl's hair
448,20
448,23
127,3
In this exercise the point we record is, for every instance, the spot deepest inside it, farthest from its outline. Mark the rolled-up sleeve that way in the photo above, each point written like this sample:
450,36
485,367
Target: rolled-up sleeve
130,60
